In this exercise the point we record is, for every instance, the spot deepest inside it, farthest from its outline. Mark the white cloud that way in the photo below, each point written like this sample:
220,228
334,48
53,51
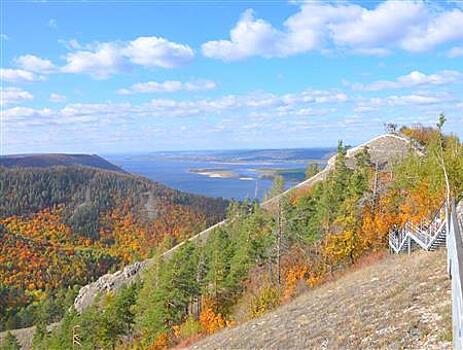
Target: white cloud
250,37
71,114
439,29
102,60
257,37
12,95
456,51
413,79
168,86
414,26
99,63
16,114
297,105
35,64
71,44
372,29
52,23
18,75
57,98
316,96
412,100
157,52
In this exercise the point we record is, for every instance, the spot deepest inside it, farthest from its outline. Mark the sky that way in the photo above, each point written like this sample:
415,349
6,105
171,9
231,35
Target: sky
140,76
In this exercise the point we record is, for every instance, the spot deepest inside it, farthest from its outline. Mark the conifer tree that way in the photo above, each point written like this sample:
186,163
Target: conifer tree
164,299
218,263
312,170
278,187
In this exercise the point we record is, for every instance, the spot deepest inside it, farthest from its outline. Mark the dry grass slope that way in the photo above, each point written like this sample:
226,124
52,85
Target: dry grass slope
400,302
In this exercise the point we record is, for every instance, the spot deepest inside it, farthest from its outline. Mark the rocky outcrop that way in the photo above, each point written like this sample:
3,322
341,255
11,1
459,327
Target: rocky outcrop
25,336
383,150
107,283
112,282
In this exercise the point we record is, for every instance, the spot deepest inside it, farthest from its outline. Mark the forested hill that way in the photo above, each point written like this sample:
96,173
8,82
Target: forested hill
62,227
56,159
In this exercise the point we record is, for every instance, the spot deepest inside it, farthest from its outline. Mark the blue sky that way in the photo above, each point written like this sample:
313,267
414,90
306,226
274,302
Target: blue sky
108,77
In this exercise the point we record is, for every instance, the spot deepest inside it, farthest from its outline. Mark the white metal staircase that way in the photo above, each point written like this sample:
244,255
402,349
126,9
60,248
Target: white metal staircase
428,235
445,229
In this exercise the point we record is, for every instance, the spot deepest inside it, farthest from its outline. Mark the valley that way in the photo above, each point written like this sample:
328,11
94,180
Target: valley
227,174
64,226
187,286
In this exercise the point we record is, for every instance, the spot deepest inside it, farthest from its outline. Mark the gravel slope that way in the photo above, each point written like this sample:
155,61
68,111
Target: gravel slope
400,302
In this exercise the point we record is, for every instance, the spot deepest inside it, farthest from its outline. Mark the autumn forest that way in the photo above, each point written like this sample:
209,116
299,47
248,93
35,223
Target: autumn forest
63,227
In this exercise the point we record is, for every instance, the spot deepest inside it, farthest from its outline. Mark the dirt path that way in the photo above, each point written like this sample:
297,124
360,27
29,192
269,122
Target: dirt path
401,302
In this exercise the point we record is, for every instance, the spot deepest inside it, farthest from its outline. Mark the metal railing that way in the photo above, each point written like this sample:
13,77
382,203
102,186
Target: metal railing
455,266
448,223
428,234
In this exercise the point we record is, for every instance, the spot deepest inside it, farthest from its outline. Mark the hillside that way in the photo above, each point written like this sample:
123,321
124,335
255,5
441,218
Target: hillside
383,150
61,227
400,302
46,160
258,260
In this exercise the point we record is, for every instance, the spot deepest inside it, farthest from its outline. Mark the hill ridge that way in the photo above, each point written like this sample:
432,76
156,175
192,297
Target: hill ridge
45,160
397,146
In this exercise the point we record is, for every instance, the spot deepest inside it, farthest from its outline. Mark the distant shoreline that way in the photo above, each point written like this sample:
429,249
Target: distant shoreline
215,173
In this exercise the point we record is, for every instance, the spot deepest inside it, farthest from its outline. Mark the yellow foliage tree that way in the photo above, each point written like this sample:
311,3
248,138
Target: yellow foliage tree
210,320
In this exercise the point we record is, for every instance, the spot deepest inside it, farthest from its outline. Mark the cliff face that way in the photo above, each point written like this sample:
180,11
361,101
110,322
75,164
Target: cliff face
383,150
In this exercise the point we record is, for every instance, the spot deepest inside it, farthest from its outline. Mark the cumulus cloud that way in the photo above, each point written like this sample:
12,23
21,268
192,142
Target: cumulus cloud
413,79
13,95
57,98
372,29
414,26
157,52
19,75
168,86
250,37
102,60
440,28
99,63
257,37
35,64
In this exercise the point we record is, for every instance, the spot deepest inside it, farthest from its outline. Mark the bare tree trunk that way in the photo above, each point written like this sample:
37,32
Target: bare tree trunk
440,157
279,233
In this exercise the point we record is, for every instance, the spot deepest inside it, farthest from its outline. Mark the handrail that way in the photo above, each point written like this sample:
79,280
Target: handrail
455,264
425,234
